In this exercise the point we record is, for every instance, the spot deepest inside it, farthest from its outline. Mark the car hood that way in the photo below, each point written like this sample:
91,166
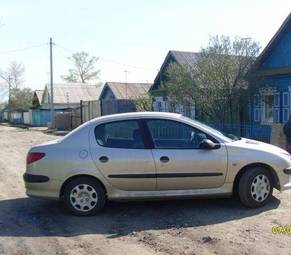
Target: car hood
257,145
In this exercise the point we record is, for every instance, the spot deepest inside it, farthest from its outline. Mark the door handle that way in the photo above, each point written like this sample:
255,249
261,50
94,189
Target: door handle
164,159
103,159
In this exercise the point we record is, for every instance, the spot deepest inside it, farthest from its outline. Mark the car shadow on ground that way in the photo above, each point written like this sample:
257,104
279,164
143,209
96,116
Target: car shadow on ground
29,217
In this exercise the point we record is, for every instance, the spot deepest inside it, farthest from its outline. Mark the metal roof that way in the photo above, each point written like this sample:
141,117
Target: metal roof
128,90
185,57
39,94
74,92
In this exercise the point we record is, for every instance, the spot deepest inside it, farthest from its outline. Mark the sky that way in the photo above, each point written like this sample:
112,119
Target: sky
127,34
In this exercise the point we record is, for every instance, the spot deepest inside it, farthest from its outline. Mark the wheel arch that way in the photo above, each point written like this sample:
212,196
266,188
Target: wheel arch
273,173
78,176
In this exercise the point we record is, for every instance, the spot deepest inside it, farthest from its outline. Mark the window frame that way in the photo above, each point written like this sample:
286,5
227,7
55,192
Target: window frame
141,130
285,110
285,102
149,135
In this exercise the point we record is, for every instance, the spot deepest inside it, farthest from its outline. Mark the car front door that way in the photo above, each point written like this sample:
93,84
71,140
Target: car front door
180,162
119,152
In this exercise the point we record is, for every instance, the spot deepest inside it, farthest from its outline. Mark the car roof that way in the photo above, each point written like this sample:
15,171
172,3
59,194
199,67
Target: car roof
130,115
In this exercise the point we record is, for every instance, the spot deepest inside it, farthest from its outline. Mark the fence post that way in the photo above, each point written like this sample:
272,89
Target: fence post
81,111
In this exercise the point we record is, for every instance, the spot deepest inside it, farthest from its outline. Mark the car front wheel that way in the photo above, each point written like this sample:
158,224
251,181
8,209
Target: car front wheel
84,196
255,187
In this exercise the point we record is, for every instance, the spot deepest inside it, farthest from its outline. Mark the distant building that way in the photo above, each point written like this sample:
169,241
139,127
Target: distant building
69,95
118,97
66,97
159,89
126,91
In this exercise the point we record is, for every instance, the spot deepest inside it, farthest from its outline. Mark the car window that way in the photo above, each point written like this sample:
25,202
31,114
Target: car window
120,134
169,134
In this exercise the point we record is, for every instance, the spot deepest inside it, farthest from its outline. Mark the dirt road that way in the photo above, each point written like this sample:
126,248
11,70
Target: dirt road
218,226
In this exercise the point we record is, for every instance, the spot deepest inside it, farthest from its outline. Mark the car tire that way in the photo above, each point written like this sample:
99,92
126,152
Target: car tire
84,196
255,187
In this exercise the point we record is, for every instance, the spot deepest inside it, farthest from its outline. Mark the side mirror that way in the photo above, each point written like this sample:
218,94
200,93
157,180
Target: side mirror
207,144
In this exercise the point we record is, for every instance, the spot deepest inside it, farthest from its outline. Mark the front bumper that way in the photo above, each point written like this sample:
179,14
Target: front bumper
285,179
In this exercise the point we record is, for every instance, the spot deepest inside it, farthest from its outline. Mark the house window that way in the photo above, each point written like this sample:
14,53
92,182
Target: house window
257,115
285,99
277,115
159,106
277,100
269,108
285,114
256,100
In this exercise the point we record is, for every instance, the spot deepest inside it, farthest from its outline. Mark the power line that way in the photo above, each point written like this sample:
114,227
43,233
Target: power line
24,49
109,60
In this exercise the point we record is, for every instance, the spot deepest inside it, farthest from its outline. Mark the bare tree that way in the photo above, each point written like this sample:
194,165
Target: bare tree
84,68
219,80
13,75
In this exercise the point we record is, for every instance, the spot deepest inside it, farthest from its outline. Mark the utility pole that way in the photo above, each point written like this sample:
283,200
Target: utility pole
9,98
51,86
125,72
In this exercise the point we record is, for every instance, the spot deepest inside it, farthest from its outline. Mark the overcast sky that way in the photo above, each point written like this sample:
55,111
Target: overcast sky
125,34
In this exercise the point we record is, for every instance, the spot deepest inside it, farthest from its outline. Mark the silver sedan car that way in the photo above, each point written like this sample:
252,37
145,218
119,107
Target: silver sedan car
153,155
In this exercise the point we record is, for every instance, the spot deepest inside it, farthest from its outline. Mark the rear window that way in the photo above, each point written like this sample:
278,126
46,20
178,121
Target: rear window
120,134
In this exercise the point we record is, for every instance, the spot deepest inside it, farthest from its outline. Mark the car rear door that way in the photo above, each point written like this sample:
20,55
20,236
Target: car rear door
120,152
180,163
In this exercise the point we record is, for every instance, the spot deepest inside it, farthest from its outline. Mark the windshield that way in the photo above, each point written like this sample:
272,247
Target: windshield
228,137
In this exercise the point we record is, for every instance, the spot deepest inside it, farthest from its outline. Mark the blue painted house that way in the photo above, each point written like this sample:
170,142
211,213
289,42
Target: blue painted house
271,101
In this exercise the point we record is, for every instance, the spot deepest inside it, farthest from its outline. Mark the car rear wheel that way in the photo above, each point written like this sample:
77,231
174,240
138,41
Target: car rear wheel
255,187
84,196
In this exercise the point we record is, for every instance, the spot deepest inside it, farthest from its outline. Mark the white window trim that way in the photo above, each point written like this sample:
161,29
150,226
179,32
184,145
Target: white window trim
284,103
277,115
287,109
278,102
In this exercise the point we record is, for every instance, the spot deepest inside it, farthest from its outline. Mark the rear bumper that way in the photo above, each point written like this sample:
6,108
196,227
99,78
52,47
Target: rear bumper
33,178
41,186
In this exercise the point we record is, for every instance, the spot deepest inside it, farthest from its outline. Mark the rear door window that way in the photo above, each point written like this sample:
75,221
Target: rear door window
120,134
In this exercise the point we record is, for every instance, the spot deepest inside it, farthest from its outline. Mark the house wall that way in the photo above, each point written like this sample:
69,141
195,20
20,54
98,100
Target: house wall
277,86
280,56
107,94
26,118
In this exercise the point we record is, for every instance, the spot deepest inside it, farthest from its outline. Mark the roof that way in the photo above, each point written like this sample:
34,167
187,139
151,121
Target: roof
75,92
187,58
39,94
127,90
274,39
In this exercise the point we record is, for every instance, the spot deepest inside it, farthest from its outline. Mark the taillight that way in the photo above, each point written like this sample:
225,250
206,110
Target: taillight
34,156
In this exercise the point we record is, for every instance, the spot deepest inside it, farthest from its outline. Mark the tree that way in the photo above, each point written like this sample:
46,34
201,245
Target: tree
14,75
84,68
219,80
143,103
21,99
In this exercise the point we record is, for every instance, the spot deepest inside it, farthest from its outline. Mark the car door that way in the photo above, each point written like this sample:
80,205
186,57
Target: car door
119,152
180,162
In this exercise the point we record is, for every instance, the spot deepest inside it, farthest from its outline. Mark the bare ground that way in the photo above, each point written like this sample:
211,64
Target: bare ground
212,226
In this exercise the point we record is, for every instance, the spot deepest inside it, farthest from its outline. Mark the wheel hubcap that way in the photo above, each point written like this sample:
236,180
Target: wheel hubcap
83,197
260,188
